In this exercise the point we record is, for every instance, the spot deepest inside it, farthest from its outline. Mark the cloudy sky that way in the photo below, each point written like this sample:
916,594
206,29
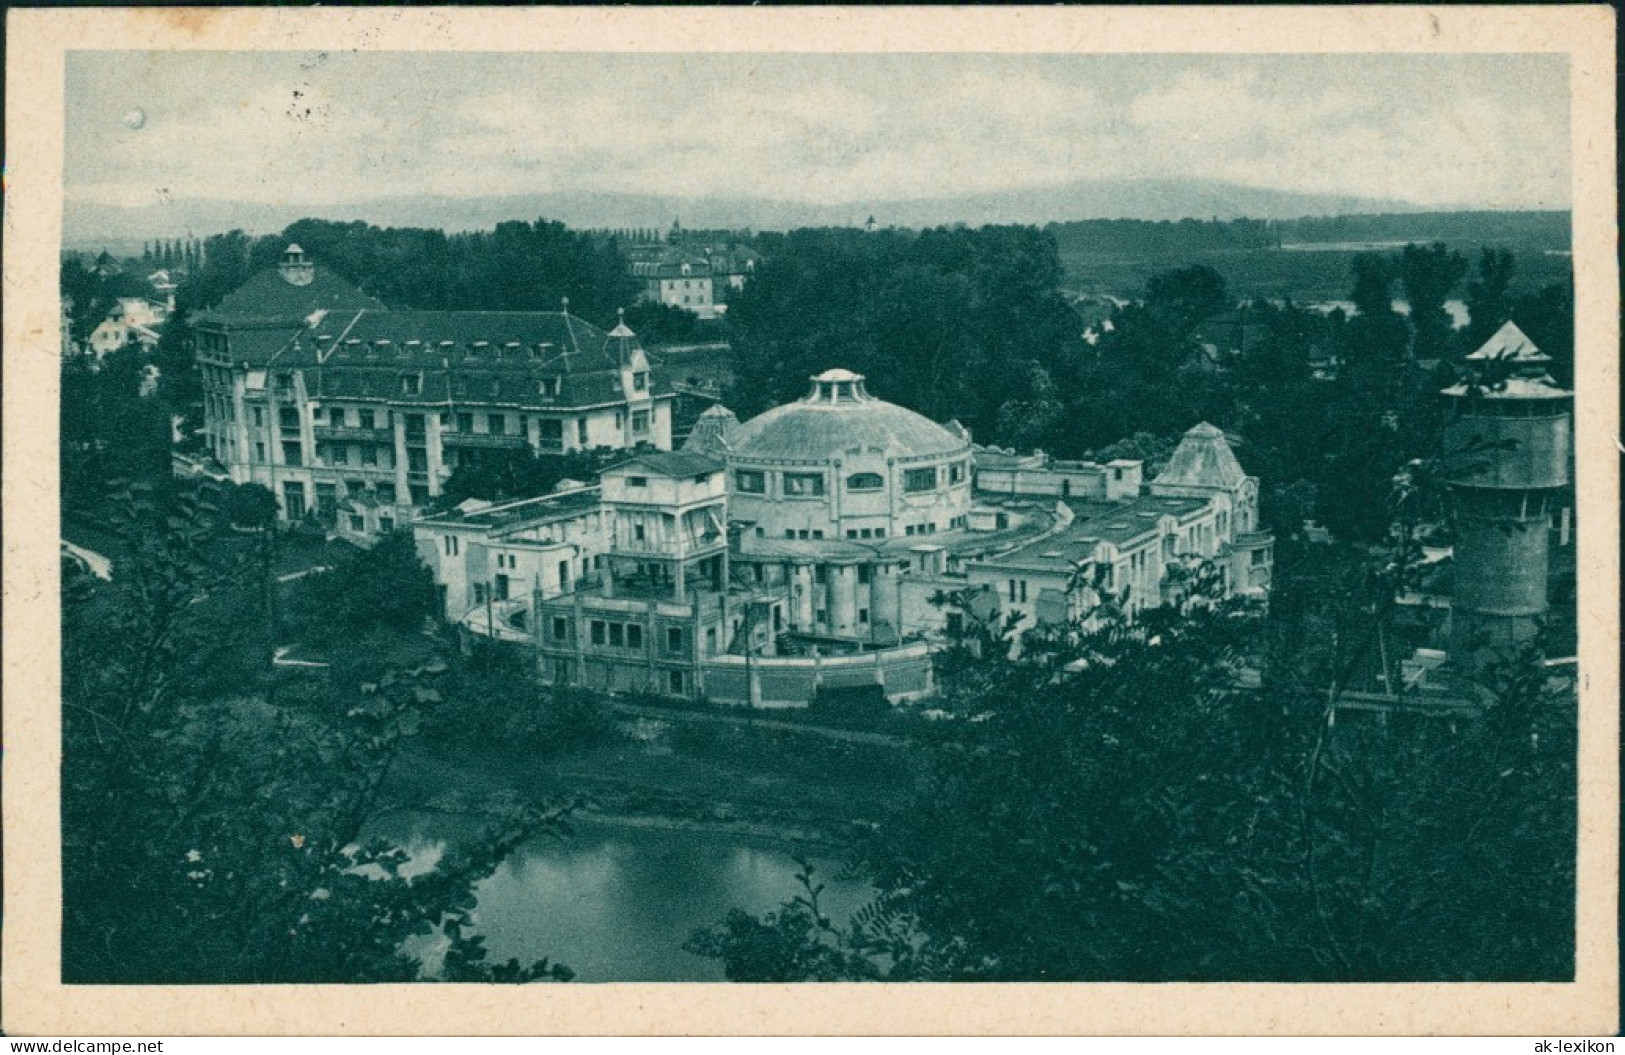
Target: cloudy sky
1480,131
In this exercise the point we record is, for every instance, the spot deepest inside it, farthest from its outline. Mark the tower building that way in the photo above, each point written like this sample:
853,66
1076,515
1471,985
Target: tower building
1508,446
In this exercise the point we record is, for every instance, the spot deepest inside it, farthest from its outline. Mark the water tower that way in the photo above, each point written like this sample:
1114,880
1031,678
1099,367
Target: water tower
1507,447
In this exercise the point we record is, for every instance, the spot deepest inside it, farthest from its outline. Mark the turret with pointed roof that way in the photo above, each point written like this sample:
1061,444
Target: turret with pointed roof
1508,444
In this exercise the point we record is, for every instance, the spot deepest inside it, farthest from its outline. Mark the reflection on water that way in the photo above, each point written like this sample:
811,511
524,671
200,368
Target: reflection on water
615,903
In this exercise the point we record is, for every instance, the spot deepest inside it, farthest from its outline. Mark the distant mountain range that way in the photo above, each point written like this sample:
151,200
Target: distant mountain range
88,224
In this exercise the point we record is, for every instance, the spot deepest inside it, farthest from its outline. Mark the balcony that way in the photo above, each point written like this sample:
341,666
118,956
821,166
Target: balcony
484,440
342,434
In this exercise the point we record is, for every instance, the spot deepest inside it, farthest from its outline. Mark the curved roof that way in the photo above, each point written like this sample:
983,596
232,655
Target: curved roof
833,419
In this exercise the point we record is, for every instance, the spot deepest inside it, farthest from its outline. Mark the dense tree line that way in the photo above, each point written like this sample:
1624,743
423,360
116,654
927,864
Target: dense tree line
952,322
1164,237
1187,237
518,266
968,325
1139,818
215,831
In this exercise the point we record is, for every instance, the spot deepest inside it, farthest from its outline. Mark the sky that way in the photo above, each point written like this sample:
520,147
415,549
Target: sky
1478,131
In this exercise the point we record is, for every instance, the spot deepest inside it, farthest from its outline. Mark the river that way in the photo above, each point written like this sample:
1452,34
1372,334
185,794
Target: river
614,902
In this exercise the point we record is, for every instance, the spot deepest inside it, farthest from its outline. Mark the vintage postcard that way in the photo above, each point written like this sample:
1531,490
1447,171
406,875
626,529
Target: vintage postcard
1028,520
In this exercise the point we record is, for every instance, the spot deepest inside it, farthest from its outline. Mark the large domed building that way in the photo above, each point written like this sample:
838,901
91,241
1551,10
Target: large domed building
841,464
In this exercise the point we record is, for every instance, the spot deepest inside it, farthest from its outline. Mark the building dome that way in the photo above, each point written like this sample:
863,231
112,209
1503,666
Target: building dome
838,416
840,466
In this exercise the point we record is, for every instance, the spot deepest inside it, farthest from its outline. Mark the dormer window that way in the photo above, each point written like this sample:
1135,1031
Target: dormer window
411,384
640,381
549,387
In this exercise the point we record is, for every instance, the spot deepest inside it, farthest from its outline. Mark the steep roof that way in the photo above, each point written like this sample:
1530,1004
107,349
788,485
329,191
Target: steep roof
510,358
1510,345
1202,459
269,295
712,434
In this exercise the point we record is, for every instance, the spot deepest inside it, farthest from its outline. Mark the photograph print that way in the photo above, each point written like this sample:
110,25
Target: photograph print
747,516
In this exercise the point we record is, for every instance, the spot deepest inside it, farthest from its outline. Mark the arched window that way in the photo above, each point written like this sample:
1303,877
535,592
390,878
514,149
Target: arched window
865,482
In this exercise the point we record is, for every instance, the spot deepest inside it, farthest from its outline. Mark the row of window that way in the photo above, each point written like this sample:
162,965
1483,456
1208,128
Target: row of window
617,635
295,508
549,430
809,485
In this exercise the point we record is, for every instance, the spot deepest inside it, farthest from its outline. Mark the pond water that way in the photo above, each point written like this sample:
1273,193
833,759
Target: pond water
616,902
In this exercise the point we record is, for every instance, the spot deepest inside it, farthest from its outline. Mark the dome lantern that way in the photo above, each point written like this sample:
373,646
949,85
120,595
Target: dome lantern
838,386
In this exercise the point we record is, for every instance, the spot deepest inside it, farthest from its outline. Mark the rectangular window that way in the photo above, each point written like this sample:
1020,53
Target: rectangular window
863,615
637,481
564,575
336,416
581,431
864,574
417,460
496,424
1023,591
561,628
956,473
341,454
640,381
259,452
386,493
640,421
356,523
820,574
465,423
634,635
259,416
386,524
288,417
852,533
598,631
617,635
369,454
292,454
750,482
803,484
1012,589
293,500
674,682
915,480
366,419
637,532
674,639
